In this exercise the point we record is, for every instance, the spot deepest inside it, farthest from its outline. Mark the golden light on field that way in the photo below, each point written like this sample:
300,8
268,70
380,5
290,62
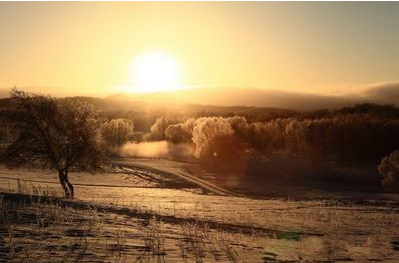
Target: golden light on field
155,72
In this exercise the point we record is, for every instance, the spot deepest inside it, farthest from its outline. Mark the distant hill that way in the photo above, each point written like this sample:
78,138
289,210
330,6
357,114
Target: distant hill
383,93
251,97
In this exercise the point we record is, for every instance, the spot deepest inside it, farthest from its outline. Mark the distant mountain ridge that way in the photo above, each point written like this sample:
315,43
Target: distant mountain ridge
383,93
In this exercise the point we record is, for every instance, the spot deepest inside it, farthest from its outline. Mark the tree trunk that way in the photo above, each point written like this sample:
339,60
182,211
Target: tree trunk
66,185
61,176
70,186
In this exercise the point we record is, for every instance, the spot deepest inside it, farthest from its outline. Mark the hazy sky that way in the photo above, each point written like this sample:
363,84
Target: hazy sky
311,47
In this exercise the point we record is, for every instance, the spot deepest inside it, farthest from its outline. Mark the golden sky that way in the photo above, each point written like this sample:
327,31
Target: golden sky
308,47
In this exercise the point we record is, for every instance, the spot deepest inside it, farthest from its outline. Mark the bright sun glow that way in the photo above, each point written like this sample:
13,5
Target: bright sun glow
155,72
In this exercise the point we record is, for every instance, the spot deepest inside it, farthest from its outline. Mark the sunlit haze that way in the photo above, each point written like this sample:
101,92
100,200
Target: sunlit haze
304,47
155,72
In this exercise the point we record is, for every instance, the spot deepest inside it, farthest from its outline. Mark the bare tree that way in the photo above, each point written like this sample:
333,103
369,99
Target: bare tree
60,134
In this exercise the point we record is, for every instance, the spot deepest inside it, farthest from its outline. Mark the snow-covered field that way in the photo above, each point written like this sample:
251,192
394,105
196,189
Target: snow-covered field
153,210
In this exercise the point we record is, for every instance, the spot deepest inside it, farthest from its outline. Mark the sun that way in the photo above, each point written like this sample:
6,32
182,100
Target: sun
155,72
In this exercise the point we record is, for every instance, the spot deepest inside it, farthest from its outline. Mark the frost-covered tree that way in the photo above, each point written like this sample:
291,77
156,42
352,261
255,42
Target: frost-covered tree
389,169
159,127
206,131
181,132
117,132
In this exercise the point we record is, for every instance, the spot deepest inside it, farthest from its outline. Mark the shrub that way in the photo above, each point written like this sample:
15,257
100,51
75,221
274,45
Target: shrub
389,169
